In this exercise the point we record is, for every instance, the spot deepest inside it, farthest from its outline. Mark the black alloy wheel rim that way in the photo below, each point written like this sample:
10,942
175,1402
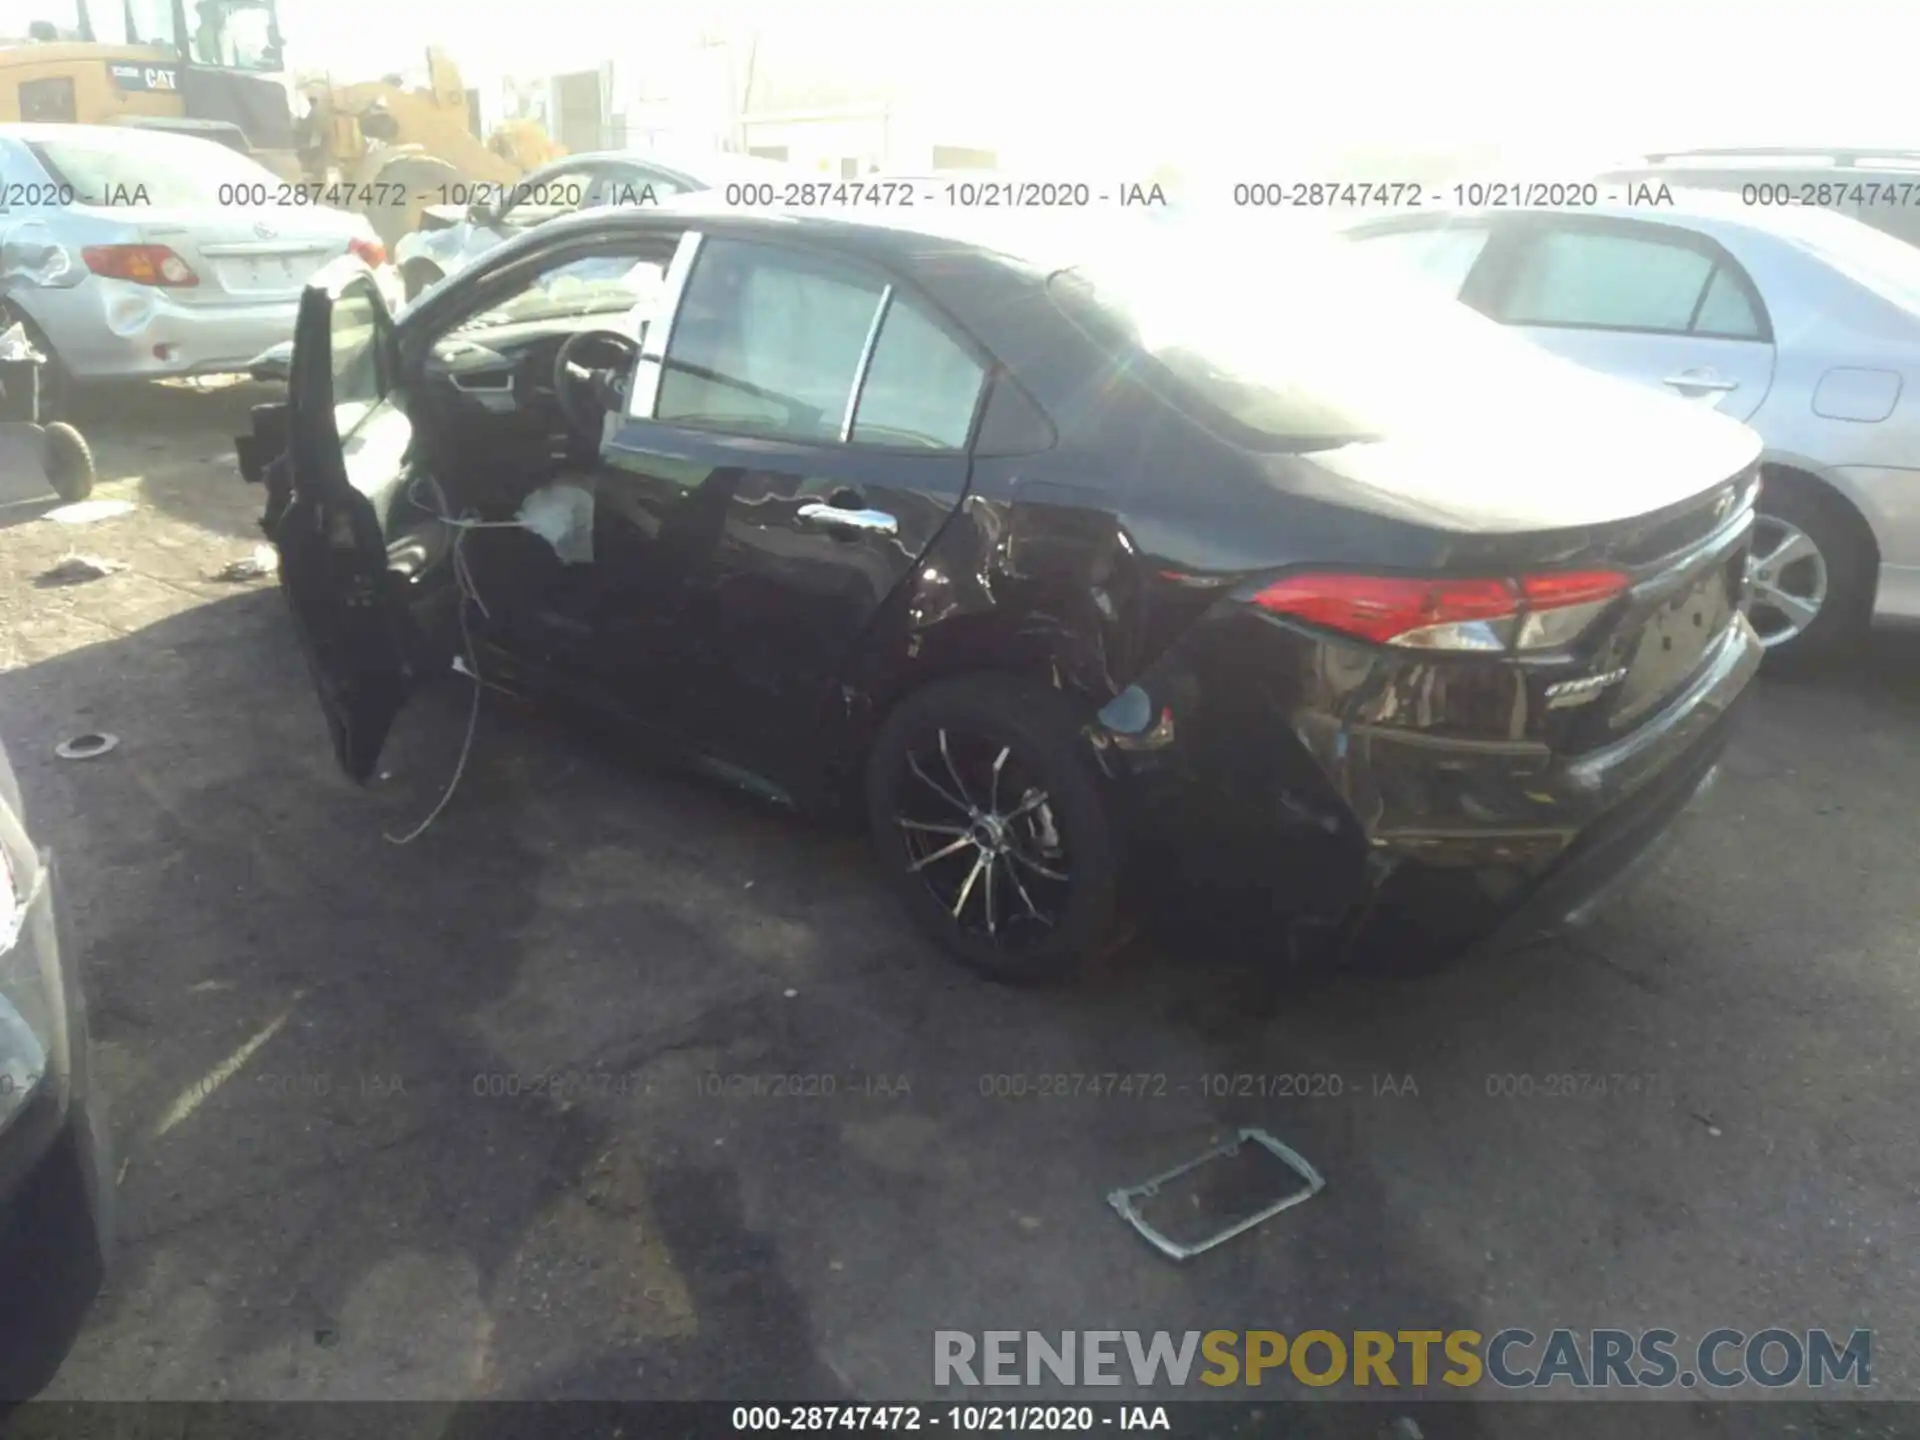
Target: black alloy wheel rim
981,835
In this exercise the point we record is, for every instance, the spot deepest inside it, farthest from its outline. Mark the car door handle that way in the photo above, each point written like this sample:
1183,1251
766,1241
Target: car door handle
1704,380
833,517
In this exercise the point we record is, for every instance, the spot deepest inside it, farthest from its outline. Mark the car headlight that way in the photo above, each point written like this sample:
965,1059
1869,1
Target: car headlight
23,1008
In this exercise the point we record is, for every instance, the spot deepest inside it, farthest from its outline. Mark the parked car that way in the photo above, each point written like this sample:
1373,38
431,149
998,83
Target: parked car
56,1186
452,236
1046,550
157,254
1880,188
1798,321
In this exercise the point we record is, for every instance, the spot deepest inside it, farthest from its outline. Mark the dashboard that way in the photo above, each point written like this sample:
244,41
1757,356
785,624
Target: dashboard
491,415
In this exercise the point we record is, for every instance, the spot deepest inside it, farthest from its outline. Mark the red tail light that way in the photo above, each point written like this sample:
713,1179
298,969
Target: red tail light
371,251
1529,612
142,264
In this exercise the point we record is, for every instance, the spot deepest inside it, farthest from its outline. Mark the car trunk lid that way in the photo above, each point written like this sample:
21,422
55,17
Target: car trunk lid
249,254
1591,474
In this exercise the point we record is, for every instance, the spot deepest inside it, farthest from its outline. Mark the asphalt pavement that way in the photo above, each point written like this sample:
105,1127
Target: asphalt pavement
494,1113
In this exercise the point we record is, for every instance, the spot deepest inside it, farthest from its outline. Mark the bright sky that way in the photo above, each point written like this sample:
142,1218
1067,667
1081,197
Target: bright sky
1245,83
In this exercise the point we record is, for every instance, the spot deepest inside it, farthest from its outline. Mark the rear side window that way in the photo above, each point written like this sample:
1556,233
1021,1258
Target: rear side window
1609,280
768,341
1596,278
1442,256
922,385
1726,309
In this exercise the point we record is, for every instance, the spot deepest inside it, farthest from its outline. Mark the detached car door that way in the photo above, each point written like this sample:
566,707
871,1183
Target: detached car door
332,507
1657,304
801,429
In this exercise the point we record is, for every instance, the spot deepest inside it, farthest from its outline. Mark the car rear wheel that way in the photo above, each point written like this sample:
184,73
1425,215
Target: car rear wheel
1810,572
989,823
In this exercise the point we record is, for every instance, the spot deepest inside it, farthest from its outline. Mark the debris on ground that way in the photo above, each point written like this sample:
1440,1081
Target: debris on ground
264,561
86,512
1235,1196
78,570
86,747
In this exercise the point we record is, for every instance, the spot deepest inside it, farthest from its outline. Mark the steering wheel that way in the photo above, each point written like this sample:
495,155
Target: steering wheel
591,373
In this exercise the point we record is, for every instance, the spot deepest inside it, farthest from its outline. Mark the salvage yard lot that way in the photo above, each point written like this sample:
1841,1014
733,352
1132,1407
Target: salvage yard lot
440,1120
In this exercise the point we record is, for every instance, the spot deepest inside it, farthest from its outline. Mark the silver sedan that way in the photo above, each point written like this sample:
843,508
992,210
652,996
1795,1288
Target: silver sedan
1801,322
138,255
452,235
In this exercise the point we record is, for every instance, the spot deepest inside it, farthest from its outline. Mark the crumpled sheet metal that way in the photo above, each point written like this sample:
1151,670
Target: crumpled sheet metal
30,257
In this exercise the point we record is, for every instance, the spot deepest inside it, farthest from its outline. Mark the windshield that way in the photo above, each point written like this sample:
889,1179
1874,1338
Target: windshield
1288,341
167,170
597,285
42,20
235,34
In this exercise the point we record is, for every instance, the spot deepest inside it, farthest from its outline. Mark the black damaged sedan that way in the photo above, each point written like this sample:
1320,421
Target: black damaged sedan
1062,555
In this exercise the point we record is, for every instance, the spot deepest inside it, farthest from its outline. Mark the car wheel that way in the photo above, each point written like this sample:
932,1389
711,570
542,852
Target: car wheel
989,823
69,462
1809,573
404,187
419,276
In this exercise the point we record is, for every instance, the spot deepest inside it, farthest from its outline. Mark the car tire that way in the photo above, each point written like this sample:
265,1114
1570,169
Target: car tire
69,462
403,188
419,277
986,776
1809,546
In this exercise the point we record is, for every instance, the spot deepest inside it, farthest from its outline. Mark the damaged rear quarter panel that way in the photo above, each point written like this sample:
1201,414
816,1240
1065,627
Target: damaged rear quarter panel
1033,577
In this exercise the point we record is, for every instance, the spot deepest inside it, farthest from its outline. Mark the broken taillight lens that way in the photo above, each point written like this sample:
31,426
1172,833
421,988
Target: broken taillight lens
1528,612
142,264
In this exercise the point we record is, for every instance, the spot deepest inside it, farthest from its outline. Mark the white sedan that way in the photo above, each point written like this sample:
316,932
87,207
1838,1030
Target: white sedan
1800,322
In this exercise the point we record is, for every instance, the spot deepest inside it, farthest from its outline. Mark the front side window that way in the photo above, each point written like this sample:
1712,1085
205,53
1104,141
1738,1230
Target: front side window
1440,255
359,381
1605,279
768,341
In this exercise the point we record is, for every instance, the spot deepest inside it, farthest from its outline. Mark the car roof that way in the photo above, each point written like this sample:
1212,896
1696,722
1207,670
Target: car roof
704,169
1768,157
40,131
1702,209
1044,238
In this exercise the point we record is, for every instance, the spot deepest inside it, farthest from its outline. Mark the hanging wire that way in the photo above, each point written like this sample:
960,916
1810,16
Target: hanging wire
463,581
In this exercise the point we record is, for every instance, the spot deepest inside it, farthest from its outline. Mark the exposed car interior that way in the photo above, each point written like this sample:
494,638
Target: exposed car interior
509,401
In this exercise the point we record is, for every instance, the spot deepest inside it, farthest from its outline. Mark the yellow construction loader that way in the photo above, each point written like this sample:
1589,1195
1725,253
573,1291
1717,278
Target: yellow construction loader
215,68
394,151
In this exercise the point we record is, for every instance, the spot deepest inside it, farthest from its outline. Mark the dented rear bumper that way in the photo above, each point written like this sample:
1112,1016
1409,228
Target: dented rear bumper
1256,760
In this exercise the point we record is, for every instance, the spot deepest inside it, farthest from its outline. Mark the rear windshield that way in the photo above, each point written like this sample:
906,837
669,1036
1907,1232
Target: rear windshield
1284,340
1870,257
145,169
